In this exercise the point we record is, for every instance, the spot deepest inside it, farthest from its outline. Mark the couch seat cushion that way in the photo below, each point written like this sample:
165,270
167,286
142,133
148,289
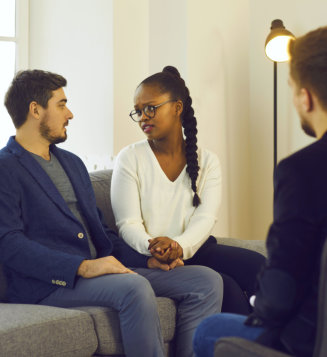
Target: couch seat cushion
106,322
44,331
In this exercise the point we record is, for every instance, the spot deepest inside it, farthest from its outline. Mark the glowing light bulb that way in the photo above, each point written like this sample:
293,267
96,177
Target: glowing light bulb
277,48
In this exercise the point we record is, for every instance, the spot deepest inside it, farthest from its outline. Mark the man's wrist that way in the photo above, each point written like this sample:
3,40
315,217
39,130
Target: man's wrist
82,269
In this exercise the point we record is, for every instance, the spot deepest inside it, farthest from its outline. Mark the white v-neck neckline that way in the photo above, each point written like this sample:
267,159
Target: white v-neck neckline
154,158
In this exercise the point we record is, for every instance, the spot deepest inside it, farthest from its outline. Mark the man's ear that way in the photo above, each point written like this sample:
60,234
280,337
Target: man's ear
34,110
306,99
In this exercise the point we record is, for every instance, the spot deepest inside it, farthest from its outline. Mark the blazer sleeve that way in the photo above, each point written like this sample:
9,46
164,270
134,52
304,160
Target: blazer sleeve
291,247
20,253
125,254
122,251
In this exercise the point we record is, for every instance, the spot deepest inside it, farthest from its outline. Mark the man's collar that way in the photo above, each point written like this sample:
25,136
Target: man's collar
17,149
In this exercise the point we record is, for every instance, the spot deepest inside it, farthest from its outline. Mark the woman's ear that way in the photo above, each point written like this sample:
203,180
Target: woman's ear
179,107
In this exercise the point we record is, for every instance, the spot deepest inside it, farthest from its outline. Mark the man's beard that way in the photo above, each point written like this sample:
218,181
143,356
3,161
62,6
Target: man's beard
307,128
45,132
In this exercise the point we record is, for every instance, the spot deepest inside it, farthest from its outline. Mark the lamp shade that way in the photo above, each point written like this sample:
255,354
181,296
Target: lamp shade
276,46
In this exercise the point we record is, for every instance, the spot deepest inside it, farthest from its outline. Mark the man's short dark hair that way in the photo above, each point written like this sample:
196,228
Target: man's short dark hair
308,64
28,86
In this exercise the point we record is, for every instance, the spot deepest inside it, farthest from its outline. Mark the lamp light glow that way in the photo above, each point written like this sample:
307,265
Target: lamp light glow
276,46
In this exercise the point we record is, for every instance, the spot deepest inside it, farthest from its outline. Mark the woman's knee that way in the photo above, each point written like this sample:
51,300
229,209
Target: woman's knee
207,281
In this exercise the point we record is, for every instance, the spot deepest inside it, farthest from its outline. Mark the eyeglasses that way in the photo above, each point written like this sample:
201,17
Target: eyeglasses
149,111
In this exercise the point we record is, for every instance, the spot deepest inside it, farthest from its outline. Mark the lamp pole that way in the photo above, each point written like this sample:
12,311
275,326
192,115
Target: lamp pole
275,115
276,50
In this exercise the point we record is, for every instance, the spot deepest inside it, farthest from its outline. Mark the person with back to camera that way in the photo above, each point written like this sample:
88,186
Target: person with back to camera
286,303
54,246
165,192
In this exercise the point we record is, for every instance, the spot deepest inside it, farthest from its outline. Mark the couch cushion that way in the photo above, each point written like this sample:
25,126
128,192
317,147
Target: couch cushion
44,331
106,322
256,245
101,182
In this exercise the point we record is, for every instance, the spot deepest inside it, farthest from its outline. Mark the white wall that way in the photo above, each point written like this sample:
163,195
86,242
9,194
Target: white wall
75,38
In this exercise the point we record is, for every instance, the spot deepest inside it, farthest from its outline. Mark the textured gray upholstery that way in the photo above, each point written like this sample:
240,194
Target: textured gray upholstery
101,181
44,331
106,324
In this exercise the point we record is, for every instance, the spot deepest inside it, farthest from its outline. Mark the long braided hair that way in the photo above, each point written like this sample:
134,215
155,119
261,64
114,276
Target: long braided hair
170,81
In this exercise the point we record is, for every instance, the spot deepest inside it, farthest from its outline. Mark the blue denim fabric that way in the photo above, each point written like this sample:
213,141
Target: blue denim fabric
221,325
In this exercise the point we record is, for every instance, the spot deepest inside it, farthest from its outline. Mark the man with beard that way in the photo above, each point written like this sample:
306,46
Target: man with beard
285,307
54,247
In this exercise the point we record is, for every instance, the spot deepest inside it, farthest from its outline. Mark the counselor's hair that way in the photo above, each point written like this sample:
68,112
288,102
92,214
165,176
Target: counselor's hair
308,63
170,81
28,86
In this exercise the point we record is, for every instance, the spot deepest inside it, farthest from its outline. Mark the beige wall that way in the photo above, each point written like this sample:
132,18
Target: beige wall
218,47
204,51
217,72
131,65
299,16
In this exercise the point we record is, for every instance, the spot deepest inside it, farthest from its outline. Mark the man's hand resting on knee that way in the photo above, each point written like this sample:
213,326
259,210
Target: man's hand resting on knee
101,266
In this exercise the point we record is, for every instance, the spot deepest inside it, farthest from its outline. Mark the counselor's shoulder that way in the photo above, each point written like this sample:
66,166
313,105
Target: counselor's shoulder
208,160
300,182
131,154
309,162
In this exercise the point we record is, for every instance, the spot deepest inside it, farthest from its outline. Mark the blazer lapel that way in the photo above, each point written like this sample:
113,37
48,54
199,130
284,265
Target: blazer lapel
43,179
39,175
77,180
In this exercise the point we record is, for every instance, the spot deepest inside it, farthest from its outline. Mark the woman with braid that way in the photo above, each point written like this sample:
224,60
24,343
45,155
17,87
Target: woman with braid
165,192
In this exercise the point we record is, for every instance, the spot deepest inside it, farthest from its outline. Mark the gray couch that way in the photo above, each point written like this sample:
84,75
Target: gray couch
33,330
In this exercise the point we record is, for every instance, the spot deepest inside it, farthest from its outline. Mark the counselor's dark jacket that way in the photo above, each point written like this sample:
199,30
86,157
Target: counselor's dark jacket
41,242
287,297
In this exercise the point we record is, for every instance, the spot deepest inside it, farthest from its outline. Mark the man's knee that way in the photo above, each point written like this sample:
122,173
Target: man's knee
139,290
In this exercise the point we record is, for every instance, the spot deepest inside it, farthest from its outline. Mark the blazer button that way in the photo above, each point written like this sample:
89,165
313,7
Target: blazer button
58,282
53,281
64,283
80,235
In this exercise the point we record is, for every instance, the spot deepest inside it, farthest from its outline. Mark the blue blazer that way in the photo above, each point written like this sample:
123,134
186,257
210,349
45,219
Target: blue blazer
42,243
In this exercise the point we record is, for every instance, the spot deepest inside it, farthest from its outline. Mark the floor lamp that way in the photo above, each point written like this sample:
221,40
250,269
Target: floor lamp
276,48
